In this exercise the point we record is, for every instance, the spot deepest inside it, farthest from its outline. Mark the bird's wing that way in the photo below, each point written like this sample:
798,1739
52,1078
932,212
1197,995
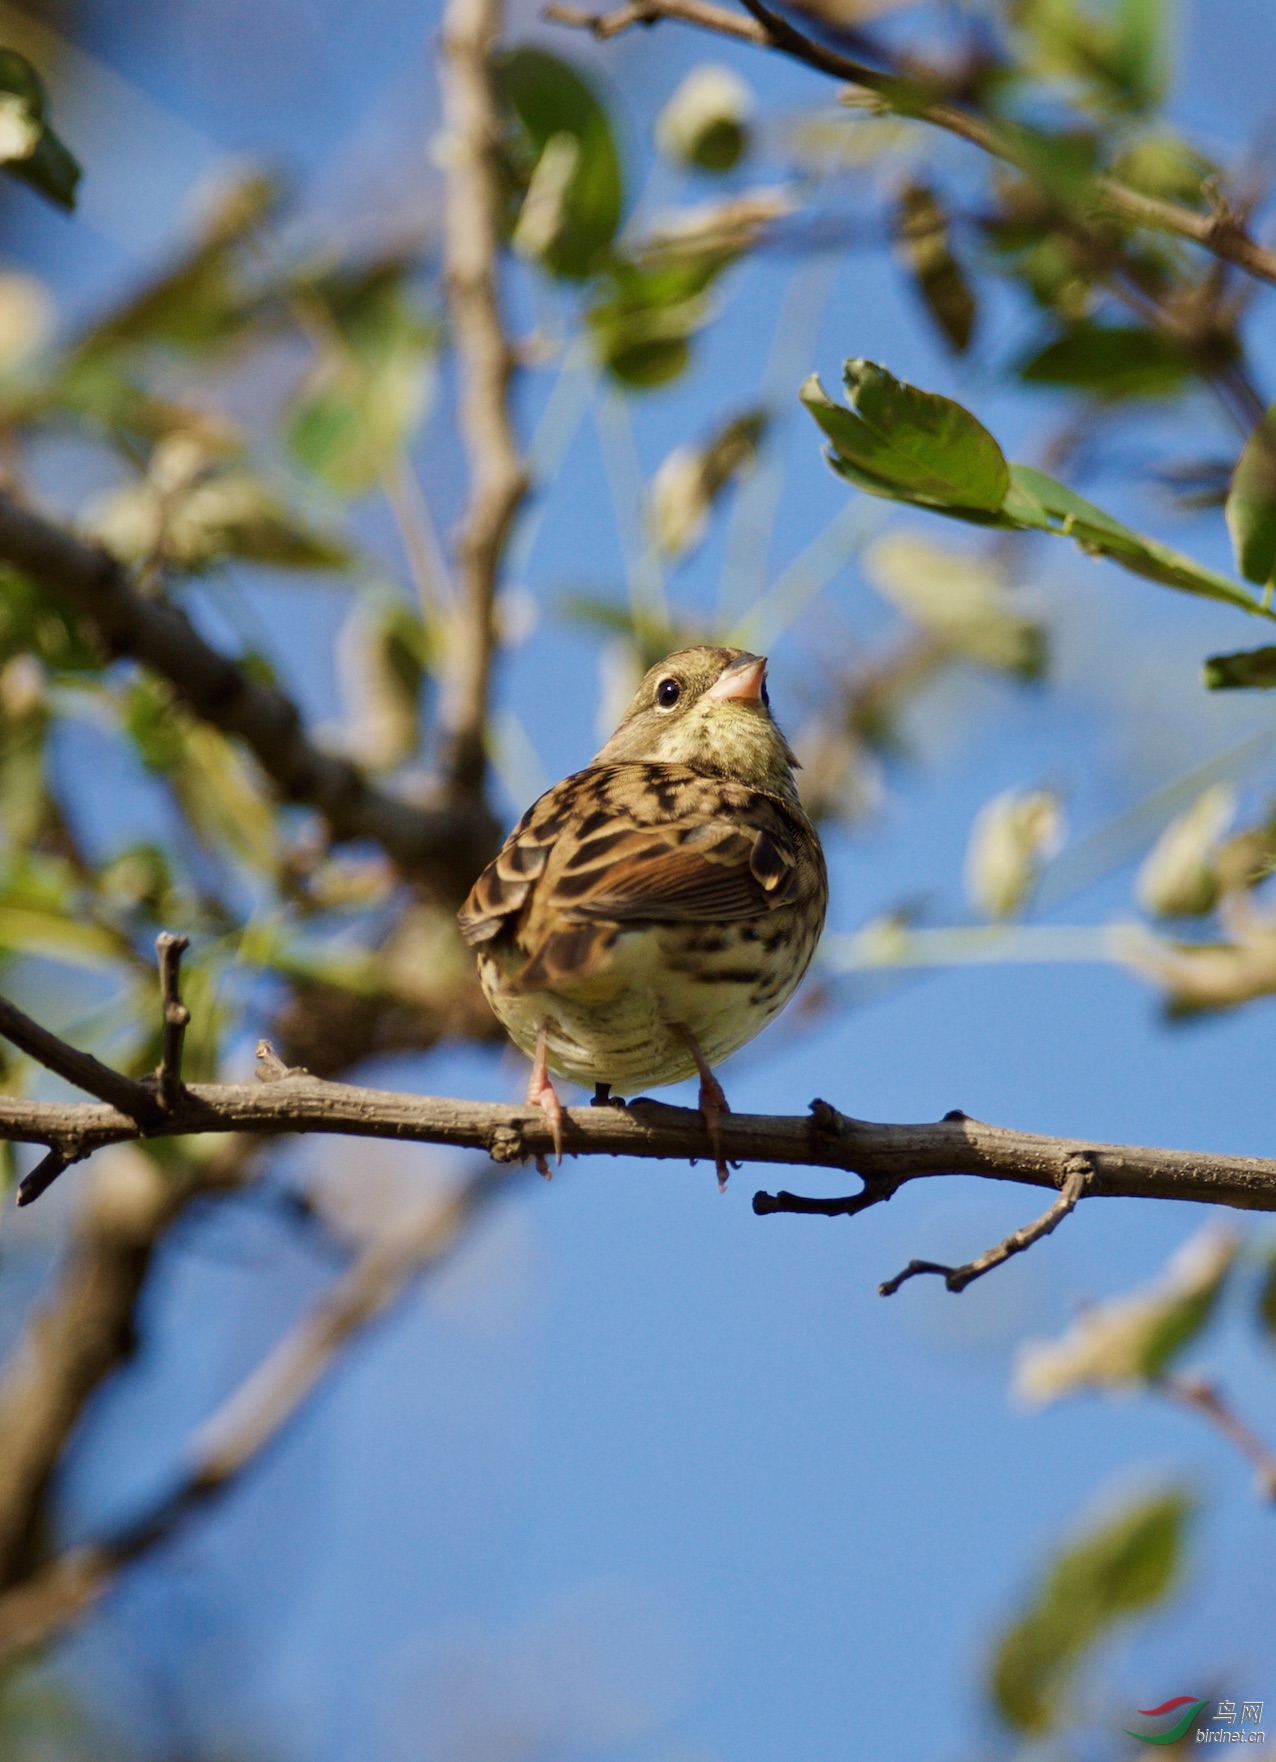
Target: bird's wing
622,845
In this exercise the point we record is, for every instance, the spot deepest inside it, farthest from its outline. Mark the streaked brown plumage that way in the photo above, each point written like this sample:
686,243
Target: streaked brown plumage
651,913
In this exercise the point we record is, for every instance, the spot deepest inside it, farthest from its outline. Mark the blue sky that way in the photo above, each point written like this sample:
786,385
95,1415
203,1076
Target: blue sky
640,1476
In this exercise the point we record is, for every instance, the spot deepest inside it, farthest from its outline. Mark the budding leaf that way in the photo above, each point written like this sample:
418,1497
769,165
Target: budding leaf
1251,504
1253,668
29,148
922,237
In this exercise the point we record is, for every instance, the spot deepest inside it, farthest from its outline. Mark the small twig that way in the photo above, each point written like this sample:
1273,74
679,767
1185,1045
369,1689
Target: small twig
958,1277
177,1017
919,95
42,1176
80,1068
1203,1397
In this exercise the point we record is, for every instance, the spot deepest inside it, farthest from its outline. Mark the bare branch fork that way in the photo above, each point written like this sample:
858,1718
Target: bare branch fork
285,1100
915,93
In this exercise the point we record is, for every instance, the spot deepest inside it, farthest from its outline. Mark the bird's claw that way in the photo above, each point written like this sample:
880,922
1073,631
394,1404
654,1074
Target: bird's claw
540,1093
713,1104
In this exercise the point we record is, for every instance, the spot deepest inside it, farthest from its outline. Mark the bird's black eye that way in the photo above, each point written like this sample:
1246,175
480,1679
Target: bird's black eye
766,696
667,693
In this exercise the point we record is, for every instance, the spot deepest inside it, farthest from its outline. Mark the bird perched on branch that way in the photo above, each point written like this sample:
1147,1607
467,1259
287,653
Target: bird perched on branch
651,913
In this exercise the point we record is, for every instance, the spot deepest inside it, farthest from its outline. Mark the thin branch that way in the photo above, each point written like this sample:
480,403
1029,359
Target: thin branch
498,480
34,1611
912,95
447,846
958,1277
168,1079
1204,1398
81,1068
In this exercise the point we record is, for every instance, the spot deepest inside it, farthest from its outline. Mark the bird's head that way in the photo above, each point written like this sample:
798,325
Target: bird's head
707,708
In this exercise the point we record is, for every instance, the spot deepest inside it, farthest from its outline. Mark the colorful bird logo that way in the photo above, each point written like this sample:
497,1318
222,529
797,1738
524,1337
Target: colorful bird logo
1191,1707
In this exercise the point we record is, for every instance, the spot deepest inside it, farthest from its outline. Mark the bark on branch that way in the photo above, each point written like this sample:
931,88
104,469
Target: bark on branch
446,846
908,93
883,1156
472,236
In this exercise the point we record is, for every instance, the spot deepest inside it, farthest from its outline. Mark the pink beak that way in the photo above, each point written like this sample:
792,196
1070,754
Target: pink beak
742,680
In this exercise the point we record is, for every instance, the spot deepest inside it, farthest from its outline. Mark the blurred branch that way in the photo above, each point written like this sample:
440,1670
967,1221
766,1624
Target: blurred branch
1204,1398
916,94
884,1156
472,234
84,1329
33,1612
447,846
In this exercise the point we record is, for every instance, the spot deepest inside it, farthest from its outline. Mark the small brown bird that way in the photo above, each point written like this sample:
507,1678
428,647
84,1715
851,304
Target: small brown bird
651,913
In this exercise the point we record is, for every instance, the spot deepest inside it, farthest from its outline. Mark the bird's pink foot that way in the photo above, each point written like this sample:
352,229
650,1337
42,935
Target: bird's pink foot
713,1104
540,1093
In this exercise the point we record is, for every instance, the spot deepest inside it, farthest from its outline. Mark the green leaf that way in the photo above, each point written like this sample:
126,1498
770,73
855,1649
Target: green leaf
548,100
32,623
1038,502
29,148
922,237
1119,56
1267,1298
1129,1342
1165,165
382,652
913,446
214,786
30,931
691,479
360,404
206,298
895,440
1251,504
1111,361
646,316
208,514
705,124
1061,166
1128,1563
1252,669
1139,60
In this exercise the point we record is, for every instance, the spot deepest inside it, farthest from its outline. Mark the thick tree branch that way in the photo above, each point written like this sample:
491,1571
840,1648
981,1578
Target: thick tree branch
36,1610
498,480
910,94
446,846
884,1156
